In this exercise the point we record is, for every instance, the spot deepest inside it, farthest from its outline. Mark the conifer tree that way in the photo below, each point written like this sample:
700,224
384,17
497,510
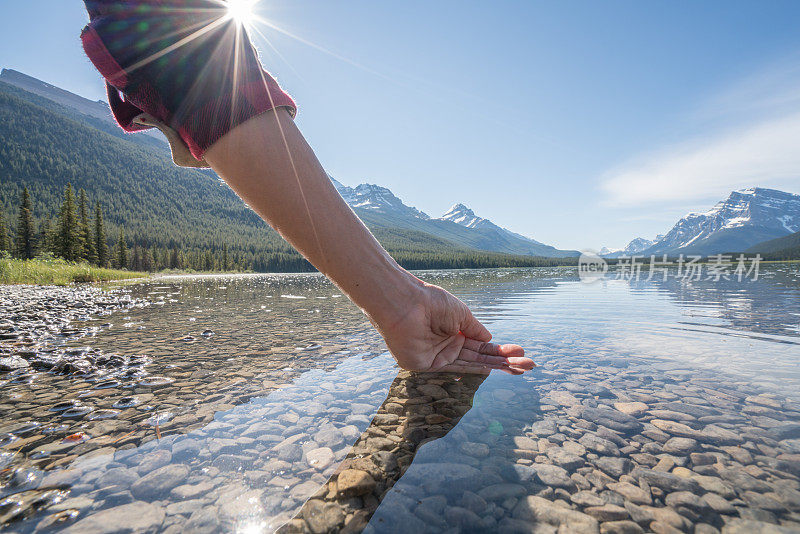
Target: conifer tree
225,264
121,254
45,239
70,241
4,241
100,243
174,259
136,259
25,232
85,230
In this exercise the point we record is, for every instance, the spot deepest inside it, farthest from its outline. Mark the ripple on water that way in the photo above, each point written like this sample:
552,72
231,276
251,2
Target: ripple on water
103,414
126,402
156,381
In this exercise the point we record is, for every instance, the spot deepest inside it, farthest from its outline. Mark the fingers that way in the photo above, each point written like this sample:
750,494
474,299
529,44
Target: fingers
473,329
494,354
466,368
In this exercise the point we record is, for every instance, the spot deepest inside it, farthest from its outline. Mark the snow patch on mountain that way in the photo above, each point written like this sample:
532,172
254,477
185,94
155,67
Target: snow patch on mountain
636,246
376,198
464,216
747,213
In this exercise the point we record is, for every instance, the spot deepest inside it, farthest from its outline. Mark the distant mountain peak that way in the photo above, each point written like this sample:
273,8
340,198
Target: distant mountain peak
461,214
636,246
746,217
376,198
380,207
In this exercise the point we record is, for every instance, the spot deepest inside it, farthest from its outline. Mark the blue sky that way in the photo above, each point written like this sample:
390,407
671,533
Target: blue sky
581,124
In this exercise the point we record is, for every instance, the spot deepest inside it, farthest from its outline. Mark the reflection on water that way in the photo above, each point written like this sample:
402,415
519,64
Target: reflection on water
266,402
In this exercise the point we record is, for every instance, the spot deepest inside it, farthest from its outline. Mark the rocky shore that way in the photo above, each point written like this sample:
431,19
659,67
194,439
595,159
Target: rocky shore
173,431
615,451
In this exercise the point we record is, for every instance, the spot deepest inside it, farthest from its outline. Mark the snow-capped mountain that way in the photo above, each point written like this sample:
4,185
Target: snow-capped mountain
636,246
462,215
377,199
380,208
747,217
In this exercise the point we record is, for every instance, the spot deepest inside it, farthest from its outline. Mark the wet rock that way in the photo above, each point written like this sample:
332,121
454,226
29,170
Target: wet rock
743,526
353,482
204,521
320,458
432,390
687,499
152,461
612,419
185,449
564,459
599,445
537,509
587,498
719,436
323,517
159,482
614,467
461,517
665,481
702,458
444,474
634,409
681,446
763,502
676,429
133,517
620,527
607,512
509,525
742,481
631,493
186,508
563,398
476,450
501,492
525,443
544,428
118,476
719,504
552,475
191,491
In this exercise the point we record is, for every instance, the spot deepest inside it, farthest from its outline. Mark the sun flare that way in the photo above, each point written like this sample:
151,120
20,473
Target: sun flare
242,11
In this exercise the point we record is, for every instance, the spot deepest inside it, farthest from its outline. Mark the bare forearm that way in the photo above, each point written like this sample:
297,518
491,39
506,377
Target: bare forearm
271,166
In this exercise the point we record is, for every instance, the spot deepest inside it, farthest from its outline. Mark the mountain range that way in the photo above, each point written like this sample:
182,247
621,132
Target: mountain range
94,154
381,209
741,222
50,137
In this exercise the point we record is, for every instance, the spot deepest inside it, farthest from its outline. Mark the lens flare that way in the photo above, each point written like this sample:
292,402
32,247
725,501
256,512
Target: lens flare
242,11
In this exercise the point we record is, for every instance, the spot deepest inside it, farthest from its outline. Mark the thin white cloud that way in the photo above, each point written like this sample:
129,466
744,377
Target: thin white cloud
759,146
766,154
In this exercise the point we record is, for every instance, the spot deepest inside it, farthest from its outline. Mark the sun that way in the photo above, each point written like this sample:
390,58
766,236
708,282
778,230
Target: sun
242,11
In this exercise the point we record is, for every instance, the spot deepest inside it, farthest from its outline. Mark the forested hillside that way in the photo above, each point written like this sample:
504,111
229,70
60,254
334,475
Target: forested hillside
162,208
783,248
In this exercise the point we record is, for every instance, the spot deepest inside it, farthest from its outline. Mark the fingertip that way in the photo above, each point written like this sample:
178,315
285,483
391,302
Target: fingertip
511,350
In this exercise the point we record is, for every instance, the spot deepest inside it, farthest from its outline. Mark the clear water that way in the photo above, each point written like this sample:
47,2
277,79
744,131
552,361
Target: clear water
268,420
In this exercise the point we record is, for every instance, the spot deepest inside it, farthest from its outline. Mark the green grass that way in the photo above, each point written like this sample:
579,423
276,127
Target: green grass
48,271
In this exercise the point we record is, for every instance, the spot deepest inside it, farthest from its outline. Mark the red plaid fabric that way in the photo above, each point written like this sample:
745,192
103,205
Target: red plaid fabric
185,62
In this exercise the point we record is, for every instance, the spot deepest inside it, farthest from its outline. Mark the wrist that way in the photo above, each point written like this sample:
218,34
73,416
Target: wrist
390,294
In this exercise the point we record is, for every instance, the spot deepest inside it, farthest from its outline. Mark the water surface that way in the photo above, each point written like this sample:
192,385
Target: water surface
250,403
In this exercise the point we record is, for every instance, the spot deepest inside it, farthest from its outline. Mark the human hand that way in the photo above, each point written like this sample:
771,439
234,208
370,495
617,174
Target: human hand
435,331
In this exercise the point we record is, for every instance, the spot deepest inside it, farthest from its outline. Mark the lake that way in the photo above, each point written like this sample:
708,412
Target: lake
253,403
